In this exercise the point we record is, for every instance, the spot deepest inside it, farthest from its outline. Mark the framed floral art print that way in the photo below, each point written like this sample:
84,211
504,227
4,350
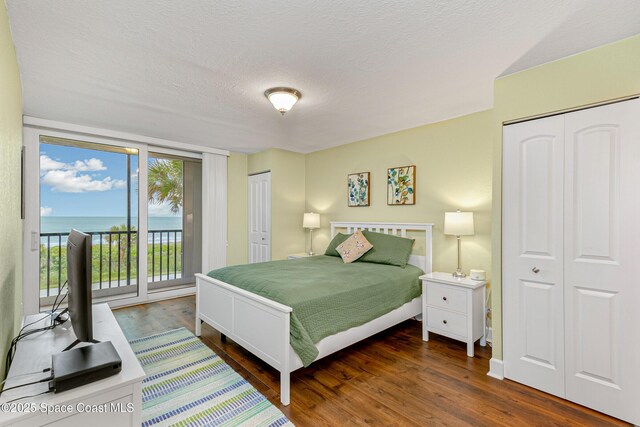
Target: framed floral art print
401,185
358,189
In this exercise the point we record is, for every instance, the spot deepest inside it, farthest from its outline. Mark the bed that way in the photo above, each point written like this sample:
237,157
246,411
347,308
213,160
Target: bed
264,326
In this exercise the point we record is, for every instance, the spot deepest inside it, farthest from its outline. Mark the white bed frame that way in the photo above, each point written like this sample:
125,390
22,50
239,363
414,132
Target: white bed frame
261,325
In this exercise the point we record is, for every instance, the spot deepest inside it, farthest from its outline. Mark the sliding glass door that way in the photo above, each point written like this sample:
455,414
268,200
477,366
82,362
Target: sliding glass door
92,188
174,220
143,211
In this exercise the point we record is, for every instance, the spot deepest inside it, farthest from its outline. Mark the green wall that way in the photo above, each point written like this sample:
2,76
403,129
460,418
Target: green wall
608,72
453,160
453,171
287,198
10,223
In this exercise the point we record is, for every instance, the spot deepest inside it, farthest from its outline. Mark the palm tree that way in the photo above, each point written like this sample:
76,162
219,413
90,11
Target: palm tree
112,240
165,183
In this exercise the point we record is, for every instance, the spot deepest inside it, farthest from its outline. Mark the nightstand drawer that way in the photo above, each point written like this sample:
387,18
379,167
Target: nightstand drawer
448,297
446,321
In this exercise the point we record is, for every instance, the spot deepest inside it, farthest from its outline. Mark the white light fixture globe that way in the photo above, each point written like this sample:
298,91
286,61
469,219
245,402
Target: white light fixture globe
283,98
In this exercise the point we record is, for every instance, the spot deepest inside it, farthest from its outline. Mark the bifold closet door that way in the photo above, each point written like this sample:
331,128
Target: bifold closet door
532,256
602,258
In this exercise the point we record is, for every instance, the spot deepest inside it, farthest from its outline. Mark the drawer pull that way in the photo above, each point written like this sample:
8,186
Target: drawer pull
444,321
444,298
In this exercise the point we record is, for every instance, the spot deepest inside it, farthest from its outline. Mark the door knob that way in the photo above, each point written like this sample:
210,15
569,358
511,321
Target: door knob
535,270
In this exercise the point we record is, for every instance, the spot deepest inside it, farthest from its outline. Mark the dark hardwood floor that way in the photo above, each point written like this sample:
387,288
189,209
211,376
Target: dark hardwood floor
392,378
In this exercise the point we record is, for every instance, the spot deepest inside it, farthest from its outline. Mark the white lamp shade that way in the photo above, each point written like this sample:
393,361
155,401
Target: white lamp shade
458,223
311,220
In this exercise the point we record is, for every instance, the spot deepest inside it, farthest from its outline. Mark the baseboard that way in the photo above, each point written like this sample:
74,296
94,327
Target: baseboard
153,296
496,369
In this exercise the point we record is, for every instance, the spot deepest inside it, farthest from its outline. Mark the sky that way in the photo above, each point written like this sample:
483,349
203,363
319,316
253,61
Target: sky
84,182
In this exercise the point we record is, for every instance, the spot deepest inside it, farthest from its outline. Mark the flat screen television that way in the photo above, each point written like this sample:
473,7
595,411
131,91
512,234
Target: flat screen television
79,286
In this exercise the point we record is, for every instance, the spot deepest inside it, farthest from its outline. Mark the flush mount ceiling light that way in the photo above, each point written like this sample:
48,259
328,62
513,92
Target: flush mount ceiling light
283,98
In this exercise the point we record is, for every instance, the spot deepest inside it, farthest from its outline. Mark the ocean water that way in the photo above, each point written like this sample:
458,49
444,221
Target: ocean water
64,224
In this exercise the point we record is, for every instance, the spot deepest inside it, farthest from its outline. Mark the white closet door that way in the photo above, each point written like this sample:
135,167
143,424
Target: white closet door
602,262
532,257
260,217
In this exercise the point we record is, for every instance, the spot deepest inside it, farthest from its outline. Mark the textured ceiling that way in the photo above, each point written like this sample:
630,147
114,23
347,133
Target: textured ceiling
195,71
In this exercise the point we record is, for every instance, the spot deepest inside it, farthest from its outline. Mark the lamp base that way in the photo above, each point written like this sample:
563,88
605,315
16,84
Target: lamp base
458,274
310,253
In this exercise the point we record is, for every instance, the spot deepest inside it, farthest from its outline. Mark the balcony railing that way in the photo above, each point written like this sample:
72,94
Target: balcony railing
114,261
156,236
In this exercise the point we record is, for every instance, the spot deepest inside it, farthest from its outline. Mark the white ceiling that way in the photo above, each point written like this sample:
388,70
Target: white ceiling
195,71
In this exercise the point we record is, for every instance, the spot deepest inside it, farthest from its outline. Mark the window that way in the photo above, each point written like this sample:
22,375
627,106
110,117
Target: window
92,188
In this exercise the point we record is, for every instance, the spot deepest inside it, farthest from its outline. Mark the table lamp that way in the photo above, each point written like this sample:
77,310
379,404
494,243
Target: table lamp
311,220
458,224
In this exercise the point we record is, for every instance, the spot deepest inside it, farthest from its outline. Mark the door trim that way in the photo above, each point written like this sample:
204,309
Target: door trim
570,110
260,173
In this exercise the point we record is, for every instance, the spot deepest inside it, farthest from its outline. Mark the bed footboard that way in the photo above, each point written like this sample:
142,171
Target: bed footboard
256,323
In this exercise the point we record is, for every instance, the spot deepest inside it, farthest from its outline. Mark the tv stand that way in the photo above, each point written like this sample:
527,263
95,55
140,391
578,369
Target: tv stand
76,342
117,399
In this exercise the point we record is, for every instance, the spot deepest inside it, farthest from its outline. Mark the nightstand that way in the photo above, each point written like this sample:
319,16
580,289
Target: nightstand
454,308
296,256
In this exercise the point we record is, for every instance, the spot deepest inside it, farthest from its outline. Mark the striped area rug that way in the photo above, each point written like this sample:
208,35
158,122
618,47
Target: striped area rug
187,384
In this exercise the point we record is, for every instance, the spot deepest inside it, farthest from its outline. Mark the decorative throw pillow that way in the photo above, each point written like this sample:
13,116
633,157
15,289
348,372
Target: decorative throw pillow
354,247
387,249
339,238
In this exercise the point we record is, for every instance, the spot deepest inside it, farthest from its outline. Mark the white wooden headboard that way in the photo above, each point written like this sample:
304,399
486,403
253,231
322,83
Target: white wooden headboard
425,262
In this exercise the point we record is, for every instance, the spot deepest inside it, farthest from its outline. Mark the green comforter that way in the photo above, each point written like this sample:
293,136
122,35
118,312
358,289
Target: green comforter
326,295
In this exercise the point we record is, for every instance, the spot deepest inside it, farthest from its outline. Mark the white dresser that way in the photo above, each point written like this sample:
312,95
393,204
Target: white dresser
454,308
113,401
